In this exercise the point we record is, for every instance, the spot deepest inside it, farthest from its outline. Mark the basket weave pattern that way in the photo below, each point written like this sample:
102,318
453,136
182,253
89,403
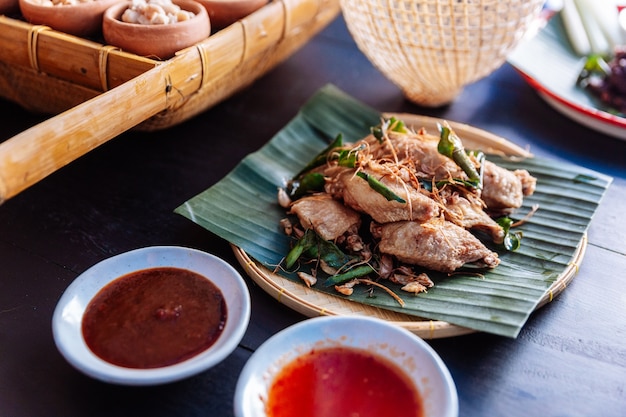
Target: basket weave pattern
98,91
432,48
47,71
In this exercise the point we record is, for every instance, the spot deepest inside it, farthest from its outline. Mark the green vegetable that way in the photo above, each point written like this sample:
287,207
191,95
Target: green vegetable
512,240
381,188
451,146
355,272
330,254
306,242
312,246
307,183
595,67
393,124
348,157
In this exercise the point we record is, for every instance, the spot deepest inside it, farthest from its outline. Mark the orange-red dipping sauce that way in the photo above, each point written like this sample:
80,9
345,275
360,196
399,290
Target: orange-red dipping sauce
343,381
154,317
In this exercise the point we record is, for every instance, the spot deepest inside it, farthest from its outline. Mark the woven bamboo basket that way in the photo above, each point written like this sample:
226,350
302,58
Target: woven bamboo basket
97,91
431,49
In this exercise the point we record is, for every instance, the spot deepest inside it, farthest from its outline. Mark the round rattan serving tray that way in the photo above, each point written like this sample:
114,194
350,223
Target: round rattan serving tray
312,303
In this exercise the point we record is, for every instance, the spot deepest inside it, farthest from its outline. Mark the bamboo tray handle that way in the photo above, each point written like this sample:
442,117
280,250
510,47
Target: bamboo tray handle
39,151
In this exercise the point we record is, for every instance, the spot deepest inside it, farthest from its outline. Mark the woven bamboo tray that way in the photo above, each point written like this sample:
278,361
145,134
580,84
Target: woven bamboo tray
312,303
98,91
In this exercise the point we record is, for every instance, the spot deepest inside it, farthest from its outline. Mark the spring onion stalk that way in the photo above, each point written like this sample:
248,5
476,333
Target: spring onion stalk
348,157
356,272
306,242
313,246
392,124
381,188
451,146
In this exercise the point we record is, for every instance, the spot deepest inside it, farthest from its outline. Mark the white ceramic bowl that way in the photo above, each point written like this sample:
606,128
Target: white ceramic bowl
421,363
67,317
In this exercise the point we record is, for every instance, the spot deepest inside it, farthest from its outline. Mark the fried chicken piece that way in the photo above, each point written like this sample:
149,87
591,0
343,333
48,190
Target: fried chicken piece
504,189
358,194
412,283
469,214
421,150
438,245
328,217
529,183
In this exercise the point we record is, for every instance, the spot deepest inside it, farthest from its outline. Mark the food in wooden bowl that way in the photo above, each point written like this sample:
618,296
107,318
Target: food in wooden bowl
76,17
9,6
156,28
223,13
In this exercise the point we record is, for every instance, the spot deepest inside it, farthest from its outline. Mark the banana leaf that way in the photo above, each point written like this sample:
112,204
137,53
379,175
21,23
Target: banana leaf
242,209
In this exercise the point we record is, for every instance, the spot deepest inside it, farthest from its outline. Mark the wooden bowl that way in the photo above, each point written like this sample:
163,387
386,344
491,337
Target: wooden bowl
156,41
9,6
81,19
222,13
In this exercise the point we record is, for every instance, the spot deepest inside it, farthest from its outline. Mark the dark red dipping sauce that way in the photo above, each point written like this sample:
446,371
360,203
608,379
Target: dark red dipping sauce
343,382
154,317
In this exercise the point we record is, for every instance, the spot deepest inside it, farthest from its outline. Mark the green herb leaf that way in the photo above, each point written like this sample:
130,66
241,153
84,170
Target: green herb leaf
306,242
512,240
355,272
381,188
451,146
306,184
392,124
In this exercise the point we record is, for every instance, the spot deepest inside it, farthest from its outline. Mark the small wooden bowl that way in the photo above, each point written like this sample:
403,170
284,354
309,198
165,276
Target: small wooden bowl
157,41
82,19
9,6
225,12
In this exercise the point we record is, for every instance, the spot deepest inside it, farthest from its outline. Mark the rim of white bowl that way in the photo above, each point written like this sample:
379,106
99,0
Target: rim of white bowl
301,337
67,316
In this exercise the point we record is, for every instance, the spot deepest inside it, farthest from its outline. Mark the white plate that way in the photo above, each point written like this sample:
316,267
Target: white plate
592,117
406,350
549,65
67,317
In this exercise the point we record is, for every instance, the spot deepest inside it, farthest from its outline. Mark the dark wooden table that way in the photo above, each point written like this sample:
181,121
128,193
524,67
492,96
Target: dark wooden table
569,360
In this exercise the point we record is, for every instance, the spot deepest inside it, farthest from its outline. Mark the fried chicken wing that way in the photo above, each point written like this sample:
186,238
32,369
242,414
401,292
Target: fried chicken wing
421,206
438,245
361,197
327,216
469,214
504,189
